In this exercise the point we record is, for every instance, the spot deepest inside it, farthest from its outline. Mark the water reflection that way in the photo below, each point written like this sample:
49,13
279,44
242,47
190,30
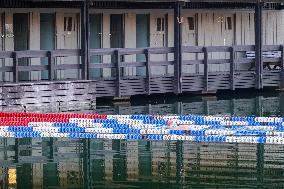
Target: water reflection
66,163
62,163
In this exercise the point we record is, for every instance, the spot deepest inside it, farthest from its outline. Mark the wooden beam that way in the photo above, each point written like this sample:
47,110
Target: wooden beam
282,67
232,68
15,68
148,72
84,39
177,46
205,69
51,70
118,73
258,45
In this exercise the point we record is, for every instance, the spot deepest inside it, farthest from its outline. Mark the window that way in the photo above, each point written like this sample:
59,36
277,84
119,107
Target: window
190,21
68,24
229,23
160,24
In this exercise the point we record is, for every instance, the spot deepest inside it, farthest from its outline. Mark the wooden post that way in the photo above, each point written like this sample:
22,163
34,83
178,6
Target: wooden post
282,68
258,45
177,46
87,163
84,38
232,68
205,69
51,65
117,61
15,68
148,72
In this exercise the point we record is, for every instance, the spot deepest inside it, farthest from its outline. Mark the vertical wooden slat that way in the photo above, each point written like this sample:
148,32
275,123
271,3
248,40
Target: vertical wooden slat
15,68
118,72
282,68
205,68
258,45
84,44
177,46
50,66
148,72
232,69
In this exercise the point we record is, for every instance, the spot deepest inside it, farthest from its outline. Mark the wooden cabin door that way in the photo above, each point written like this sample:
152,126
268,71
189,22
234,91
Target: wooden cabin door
95,42
21,40
47,37
158,38
189,38
229,29
142,39
116,35
68,30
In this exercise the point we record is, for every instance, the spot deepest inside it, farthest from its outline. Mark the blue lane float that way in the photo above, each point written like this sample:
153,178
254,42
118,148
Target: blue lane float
230,129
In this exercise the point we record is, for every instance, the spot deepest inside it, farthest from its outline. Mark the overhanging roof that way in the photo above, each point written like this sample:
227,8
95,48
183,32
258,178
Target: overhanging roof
141,1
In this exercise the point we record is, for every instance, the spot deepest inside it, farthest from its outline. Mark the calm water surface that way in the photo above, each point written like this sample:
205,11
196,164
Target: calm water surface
66,163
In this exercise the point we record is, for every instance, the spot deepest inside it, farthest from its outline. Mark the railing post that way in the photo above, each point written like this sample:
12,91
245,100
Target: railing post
148,71
258,45
15,68
50,65
118,73
85,38
232,68
282,67
205,69
177,46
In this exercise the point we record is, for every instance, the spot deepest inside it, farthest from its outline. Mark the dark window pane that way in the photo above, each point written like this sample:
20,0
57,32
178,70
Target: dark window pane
229,23
159,24
190,23
69,24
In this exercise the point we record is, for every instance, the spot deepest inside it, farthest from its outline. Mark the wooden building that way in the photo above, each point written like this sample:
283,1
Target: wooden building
144,47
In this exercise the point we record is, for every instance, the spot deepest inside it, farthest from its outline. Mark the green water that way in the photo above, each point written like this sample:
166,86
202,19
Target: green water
66,163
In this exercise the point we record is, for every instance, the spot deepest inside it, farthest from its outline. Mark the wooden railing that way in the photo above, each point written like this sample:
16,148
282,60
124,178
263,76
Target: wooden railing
239,74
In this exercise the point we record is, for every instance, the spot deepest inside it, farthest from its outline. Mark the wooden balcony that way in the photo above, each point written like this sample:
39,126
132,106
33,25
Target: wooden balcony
236,73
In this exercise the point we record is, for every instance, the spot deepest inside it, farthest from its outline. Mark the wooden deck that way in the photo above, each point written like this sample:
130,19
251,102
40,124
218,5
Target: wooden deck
235,73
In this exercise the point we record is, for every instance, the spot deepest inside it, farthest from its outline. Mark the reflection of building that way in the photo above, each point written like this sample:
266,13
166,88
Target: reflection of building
136,163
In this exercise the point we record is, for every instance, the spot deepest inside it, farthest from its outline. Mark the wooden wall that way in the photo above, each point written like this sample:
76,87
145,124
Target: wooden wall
211,28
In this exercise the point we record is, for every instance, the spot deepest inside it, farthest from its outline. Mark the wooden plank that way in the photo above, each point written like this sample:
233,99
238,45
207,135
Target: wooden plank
68,66
232,68
33,68
272,60
219,61
161,50
118,73
243,48
6,54
177,46
244,61
282,67
258,45
6,69
32,54
218,49
271,48
192,49
15,68
102,65
132,64
131,51
102,51
205,68
162,63
148,72
51,65
66,52
84,15
192,62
